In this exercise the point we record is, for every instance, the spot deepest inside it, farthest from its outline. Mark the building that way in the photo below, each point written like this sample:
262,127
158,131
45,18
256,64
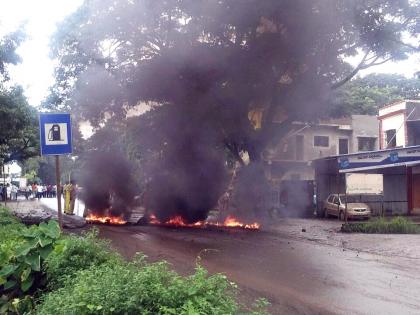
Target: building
398,161
291,158
400,169
399,124
289,162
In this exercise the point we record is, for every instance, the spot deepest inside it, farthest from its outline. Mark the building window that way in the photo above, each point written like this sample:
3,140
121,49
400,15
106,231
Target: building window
391,138
321,141
366,144
343,146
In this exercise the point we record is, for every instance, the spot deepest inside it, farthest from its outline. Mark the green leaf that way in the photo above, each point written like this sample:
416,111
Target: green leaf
34,260
52,229
26,285
2,280
8,270
24,249
59,248
25,274
45,251
10,284
30,233
44,241
4,308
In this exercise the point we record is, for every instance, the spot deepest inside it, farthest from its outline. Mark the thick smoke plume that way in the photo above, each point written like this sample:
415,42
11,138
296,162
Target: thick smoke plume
190,174
108,187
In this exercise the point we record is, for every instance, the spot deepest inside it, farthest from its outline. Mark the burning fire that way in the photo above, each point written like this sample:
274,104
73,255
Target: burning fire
230,221
91,218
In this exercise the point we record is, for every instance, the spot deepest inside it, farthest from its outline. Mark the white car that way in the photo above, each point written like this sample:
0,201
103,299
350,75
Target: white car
335,205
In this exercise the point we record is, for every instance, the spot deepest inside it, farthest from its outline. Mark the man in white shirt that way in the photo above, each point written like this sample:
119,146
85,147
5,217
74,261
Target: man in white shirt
39,192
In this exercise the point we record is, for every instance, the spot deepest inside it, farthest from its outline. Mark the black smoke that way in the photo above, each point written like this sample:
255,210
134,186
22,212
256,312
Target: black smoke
190,173
108,187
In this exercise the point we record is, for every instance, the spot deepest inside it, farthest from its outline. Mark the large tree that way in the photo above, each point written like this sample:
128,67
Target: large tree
223,59
218,73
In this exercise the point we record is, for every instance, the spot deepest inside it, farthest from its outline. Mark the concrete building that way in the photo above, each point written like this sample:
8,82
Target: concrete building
398,161
291,158
400,168
399,124
289,163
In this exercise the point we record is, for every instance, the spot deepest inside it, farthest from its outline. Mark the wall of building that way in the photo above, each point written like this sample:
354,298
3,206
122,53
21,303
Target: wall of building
312,152
396,122
364,126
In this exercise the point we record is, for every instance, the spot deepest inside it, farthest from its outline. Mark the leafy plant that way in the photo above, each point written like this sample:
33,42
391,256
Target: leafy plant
21,274
398,225
75,253
141,288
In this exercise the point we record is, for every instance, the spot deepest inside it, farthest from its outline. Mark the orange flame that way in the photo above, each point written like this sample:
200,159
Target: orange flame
230,221
92,218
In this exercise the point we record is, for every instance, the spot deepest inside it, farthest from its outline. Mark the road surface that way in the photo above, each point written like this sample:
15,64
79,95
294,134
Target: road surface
319,271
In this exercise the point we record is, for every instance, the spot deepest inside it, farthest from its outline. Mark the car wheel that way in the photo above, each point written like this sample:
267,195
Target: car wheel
341,216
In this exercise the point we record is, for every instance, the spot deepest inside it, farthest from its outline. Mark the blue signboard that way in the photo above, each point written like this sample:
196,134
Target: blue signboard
55,132
379,159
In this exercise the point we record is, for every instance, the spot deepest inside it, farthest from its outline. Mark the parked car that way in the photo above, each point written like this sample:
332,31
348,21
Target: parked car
335,205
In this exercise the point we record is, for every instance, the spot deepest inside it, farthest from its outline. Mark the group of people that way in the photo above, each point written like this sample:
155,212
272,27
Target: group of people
8,192
41,191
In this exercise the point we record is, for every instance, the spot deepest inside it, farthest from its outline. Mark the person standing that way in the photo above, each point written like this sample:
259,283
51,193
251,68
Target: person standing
40,190
54,191
14,192
73,195
8,192
66,192
34,189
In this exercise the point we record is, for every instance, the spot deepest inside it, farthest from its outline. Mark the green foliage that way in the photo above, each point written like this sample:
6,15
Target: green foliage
141,288
75,253
365,95
20,271
10,235
19,128
84,277
398,225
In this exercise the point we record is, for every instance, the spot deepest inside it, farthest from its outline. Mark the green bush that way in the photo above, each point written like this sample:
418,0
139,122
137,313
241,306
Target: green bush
21,256
74,253
10,235
140,288
397,225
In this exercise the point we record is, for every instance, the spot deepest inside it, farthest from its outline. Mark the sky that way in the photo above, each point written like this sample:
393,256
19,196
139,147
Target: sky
35,73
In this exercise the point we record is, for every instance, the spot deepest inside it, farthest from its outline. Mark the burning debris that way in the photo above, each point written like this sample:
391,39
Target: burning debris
108,188
92,218
229,222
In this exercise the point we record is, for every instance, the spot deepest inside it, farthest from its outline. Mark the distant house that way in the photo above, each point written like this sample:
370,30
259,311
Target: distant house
399,124
290,158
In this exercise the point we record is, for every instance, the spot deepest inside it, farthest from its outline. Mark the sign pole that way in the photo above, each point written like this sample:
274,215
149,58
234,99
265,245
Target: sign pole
57,178
4,186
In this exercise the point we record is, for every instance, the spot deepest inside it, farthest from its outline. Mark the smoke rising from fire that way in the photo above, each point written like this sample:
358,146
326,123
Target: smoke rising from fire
108,186
190,174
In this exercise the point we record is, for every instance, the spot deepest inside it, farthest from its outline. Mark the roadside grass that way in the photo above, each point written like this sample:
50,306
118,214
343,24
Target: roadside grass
397,225
82,275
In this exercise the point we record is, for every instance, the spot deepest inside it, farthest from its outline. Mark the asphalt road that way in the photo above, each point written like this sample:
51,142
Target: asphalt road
299,273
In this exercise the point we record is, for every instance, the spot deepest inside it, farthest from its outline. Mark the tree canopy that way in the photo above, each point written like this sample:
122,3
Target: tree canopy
18,123
220,60
365,95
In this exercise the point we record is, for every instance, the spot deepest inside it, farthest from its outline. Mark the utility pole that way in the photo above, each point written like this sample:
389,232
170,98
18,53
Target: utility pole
57,179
